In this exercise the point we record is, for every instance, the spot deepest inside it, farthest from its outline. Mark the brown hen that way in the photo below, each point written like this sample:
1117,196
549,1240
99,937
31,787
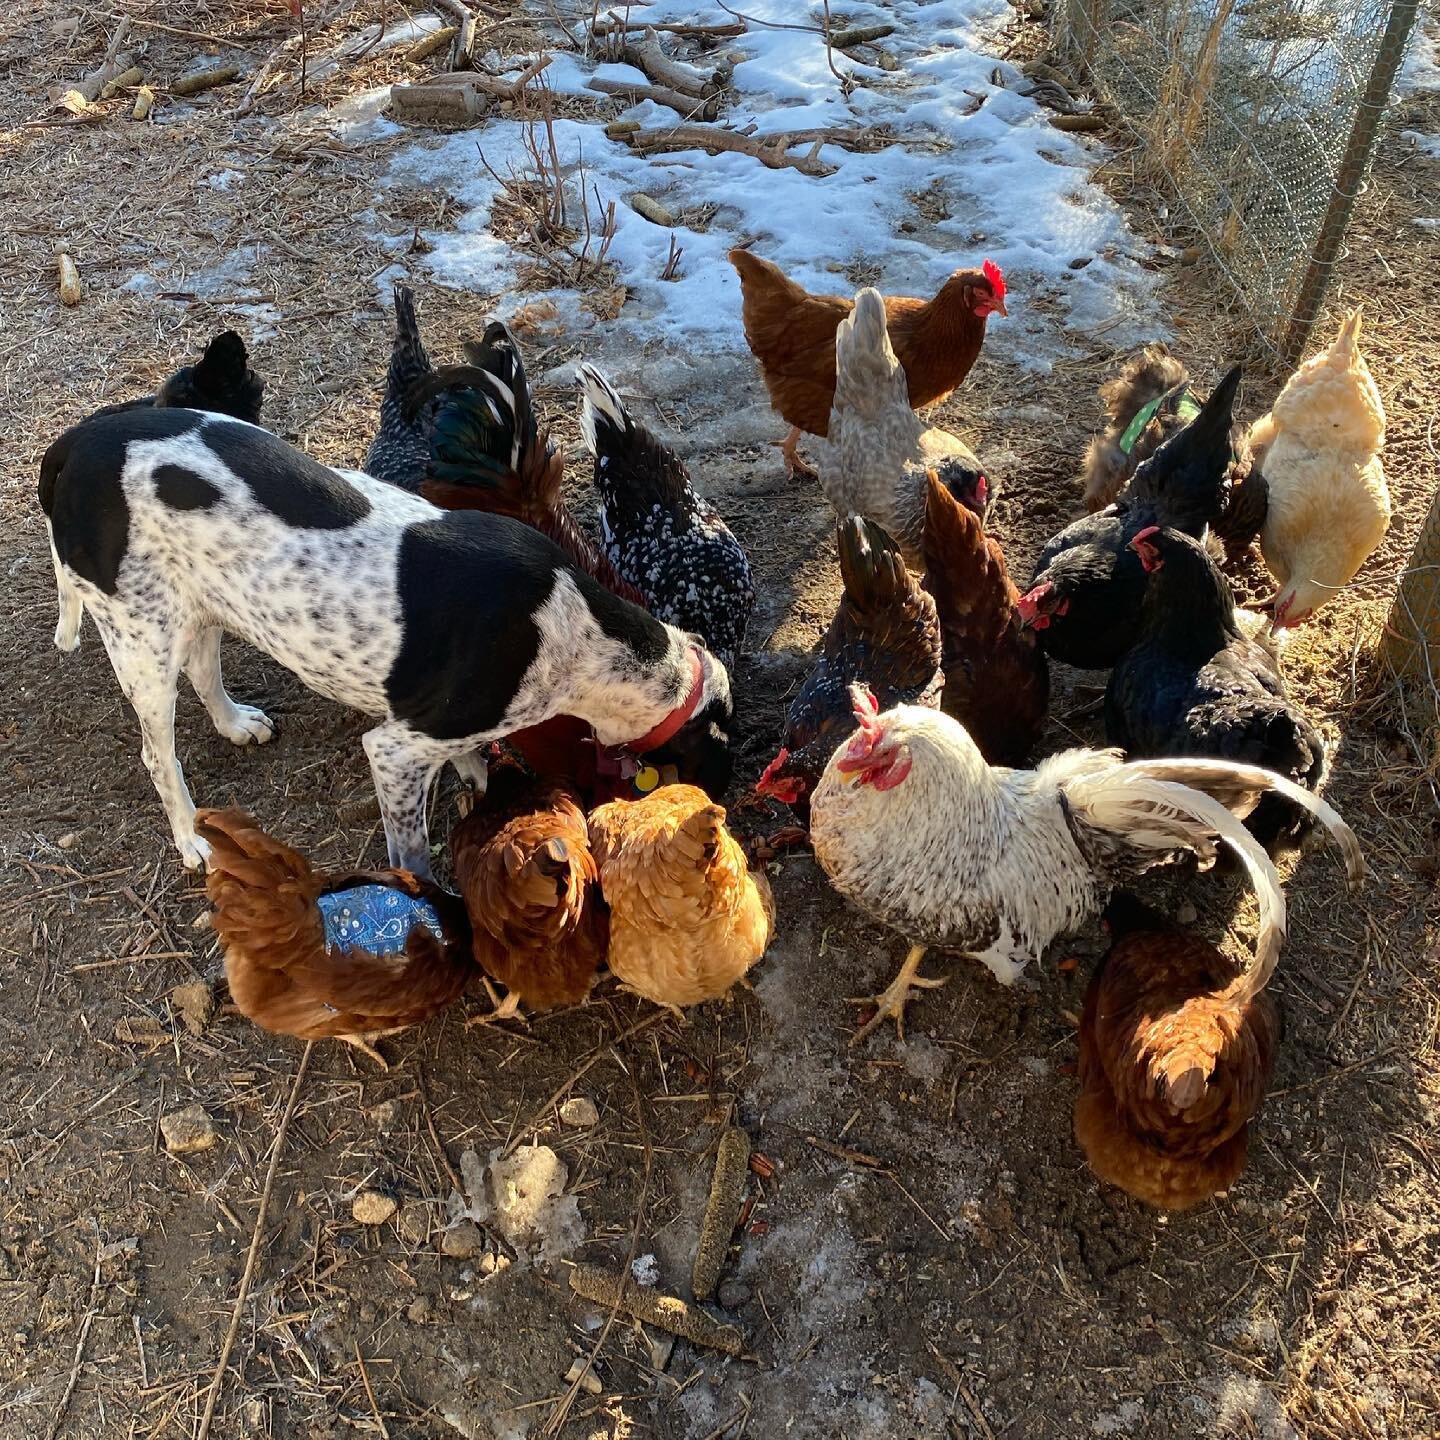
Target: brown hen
687,917
997,680
1176,1050
283,928
522,862
792,334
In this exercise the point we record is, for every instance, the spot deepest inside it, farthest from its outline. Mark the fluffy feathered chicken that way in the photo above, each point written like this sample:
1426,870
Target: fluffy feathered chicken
997,680
523,864
913,826
351,955
400,451
1088,586
792,334
1176,1049
687,917
885,635
1329,506
878,454
660,535
1193,684
220,381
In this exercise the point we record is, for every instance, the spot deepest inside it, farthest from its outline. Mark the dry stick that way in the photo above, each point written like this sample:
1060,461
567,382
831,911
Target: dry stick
89,1320
370,1394
687,106
561,1411
769,150
248,1273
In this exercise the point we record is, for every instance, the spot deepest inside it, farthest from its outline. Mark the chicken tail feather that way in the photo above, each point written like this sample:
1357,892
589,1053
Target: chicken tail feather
868,377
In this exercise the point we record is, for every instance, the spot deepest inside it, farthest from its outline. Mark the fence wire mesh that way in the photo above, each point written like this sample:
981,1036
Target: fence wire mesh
1258,118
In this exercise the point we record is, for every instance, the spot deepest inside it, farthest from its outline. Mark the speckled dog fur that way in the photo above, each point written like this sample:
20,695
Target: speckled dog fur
169,526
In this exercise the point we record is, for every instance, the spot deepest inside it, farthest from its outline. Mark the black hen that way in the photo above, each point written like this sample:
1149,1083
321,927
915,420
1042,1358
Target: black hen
885,635
221,381
1088,586
660,534
400,451
486,451
1195,685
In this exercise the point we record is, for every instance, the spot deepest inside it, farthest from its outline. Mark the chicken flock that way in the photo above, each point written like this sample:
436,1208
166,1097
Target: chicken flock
905,751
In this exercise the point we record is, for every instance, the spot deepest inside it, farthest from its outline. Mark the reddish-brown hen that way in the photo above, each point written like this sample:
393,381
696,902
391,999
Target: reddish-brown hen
1176,1049
522,861
997,680
282,928
792,334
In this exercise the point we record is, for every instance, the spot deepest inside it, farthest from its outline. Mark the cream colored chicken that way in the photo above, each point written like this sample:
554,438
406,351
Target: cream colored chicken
1319,449
687,918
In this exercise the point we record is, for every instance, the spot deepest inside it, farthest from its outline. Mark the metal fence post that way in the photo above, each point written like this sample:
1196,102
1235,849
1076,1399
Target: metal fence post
1347,182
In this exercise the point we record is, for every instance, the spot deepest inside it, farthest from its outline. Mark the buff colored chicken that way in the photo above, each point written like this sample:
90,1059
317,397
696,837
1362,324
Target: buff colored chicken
1329,507
523,863
687,917
351,955
1176,1047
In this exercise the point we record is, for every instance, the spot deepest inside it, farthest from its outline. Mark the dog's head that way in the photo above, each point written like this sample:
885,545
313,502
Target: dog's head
700,749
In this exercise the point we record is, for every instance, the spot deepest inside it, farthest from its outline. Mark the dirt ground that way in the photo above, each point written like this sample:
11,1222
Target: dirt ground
961,1273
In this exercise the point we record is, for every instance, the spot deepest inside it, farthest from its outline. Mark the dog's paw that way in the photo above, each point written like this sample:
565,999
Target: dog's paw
194,852
248,726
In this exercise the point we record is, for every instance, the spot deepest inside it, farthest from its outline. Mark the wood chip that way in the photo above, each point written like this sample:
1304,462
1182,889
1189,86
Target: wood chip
667,1312
722,1211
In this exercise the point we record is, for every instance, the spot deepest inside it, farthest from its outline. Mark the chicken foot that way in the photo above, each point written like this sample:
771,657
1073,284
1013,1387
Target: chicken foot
506,1009
798,466
896,996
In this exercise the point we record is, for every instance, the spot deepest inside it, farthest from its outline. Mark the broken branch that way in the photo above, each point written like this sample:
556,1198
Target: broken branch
769,150
686,105
668,1312
670,73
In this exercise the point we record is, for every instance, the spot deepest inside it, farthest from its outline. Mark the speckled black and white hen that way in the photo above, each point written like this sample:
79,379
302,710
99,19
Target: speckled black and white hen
660,534
400,451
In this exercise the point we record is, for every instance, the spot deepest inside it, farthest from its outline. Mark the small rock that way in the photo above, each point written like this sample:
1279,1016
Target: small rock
661,1345
645,1269
189,1130
373,1207
493,1264
419,1310
734,1294
463,1241
1081,261
383,1115
1186,913
414,1222
580,1112
194,1004
590,1383
67,840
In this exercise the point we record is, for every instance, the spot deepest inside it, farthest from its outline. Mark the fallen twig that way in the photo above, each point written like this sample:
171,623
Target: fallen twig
722,1210
689,106
859,35
213,1395
669,1312
669,72
85,1325
604,25
771,150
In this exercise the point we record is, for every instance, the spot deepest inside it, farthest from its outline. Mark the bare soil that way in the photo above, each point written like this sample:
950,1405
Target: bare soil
960,1273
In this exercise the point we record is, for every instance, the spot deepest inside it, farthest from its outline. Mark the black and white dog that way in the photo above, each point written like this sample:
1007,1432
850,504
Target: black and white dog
457,628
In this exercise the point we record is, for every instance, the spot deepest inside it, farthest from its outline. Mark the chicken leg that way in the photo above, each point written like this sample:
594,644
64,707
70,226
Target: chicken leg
789,449
896,996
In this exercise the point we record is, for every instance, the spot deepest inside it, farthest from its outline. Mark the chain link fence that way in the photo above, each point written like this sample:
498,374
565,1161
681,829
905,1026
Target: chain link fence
1258,118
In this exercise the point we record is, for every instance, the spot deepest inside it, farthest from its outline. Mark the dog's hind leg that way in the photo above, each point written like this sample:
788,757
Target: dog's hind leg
240,724
146,655
72,611
403,765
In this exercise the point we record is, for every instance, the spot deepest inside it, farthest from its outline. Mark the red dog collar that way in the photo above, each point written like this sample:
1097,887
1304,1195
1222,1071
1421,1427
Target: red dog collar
671,724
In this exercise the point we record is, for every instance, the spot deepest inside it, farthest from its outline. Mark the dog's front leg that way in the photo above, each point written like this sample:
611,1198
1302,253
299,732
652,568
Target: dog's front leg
403,764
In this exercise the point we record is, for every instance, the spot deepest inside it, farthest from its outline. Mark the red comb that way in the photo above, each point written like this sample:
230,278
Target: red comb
996,277
1145,534
867,708
771,768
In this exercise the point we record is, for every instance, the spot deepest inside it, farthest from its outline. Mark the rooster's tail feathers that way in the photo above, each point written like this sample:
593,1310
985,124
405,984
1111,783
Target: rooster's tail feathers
866,370
1142,811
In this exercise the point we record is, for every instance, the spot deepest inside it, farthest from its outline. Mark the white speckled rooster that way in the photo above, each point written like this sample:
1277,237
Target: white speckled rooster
912,825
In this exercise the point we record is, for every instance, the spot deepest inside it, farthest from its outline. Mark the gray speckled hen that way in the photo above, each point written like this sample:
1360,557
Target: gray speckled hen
400,451
660,534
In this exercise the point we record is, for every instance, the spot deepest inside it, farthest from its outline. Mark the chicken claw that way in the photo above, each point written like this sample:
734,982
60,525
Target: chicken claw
896,996
799,467
506,1009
